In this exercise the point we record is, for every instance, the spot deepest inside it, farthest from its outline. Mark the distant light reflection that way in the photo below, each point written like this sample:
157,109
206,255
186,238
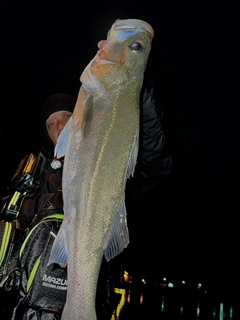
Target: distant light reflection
218,311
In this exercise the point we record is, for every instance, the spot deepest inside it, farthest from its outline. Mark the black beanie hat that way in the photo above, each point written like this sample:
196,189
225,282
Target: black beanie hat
56,102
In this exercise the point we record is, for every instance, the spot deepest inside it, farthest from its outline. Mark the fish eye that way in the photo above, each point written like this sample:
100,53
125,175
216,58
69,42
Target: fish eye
135,46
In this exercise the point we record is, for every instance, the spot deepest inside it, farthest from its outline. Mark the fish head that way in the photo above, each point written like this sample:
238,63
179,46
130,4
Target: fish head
123,57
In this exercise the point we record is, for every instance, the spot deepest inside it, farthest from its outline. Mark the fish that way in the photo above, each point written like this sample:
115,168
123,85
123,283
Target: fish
100,146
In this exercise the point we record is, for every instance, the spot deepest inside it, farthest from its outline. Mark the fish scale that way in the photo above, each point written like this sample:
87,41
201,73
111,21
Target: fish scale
100,145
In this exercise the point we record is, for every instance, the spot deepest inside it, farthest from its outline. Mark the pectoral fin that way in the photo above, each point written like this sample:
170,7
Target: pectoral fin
59,249
60,148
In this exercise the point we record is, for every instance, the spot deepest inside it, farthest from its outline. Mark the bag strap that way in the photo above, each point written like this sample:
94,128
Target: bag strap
8,228
5,240
57,216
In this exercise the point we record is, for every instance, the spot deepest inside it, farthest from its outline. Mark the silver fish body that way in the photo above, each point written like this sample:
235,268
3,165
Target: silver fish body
100,144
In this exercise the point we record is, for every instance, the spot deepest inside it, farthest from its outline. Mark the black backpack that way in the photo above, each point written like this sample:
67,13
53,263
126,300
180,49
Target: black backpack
42,288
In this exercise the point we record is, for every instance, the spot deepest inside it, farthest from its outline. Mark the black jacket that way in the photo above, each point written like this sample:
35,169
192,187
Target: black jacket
154,162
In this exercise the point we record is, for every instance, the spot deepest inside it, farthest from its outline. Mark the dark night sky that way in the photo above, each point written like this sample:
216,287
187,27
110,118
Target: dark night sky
45,46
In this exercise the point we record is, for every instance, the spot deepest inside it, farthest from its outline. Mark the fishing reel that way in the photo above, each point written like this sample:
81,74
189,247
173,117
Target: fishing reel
27,175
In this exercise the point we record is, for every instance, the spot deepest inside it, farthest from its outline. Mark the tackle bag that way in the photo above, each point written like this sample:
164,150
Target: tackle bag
42,288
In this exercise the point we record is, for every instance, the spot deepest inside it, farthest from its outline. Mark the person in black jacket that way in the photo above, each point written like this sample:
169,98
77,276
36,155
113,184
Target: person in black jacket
153,165
37,185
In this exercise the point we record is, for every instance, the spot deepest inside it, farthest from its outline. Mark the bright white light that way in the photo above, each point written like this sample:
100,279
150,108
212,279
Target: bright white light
199,286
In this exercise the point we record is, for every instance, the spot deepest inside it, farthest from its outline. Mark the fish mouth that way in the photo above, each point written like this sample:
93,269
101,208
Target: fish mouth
98,59
102,61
